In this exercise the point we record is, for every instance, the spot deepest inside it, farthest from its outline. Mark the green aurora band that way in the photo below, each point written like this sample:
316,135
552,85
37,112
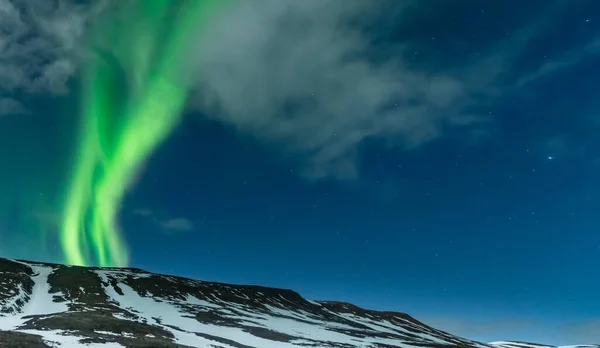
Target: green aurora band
134,91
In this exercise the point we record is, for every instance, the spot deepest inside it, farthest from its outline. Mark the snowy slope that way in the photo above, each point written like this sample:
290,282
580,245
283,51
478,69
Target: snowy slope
48,305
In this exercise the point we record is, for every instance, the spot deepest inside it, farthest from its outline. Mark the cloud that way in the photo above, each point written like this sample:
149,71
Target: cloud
297,74
565,60
302,75
143,212
308,77
177,224
40,43
10,106
171,224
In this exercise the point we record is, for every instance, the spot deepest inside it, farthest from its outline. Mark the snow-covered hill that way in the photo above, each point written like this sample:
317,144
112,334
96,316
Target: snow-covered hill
49,305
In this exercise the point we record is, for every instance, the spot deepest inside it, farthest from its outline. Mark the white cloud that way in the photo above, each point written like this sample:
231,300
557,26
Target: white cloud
169,224
295,74
298,75
40,42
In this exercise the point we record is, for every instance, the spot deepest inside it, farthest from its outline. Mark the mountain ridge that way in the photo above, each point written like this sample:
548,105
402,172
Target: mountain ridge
54,305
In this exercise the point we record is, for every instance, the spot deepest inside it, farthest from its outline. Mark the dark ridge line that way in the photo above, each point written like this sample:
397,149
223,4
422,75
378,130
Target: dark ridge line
265,289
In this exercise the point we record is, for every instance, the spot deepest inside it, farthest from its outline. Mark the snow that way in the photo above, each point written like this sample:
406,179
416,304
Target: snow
300,324
64,339
12,302
193,300
106,333
314,303
306,328
170,315
40,301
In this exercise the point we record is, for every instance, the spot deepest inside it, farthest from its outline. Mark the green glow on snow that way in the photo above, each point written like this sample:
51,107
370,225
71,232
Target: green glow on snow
121,125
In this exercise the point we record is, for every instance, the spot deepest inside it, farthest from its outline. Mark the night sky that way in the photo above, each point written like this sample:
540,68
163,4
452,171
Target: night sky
438,158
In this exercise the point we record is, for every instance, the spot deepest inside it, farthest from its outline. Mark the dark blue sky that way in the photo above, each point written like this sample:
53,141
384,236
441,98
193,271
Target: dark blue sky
467,196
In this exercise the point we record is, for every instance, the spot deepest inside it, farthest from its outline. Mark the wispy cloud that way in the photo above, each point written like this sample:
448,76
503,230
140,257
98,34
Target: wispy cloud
10,106
301,75
305,76
169,224
143,212
564,61
39,41
297,74
177,224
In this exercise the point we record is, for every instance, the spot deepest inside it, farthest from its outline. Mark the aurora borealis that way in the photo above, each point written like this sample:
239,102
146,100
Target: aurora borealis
121,126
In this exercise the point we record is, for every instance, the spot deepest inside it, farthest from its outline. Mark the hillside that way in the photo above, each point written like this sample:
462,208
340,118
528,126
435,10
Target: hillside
50,305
